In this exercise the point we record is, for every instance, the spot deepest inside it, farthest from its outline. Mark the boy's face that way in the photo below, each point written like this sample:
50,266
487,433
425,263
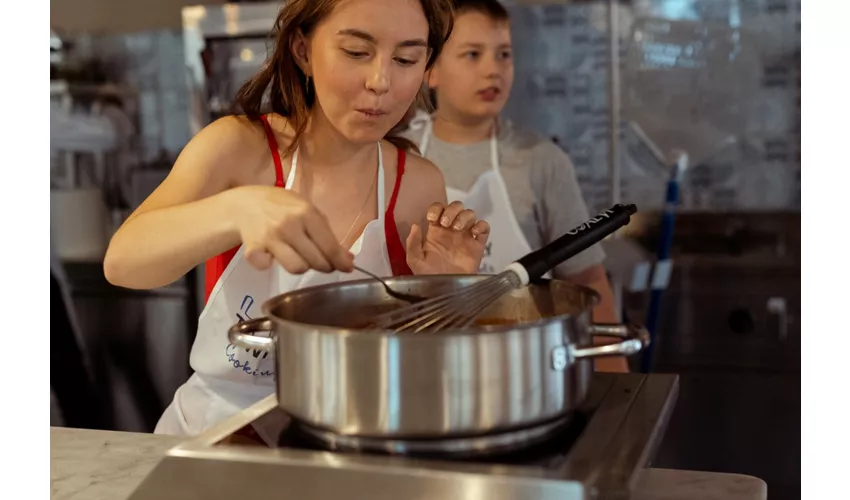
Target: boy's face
475,71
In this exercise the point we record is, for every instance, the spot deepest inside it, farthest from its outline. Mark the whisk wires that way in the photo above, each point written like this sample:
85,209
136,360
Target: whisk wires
456,309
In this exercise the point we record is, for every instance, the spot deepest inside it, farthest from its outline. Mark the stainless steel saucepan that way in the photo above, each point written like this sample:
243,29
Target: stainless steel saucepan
528,361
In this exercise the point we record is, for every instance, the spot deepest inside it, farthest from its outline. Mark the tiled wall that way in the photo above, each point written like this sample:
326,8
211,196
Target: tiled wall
561,90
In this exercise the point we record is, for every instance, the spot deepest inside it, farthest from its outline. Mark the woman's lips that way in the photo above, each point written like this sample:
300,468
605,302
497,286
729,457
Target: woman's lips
371,113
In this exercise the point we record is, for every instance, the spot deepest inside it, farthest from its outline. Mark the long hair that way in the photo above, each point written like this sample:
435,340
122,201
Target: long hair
286,85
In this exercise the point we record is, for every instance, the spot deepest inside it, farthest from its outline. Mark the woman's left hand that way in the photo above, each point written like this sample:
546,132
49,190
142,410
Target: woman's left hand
453,244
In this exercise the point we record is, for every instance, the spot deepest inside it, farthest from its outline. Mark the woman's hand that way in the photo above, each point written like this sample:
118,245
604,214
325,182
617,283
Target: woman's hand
453,244
278,224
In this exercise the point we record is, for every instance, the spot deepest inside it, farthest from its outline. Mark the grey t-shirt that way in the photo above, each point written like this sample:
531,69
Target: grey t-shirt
540,178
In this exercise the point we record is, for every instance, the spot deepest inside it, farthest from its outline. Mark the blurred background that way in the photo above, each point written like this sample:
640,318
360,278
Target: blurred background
705,95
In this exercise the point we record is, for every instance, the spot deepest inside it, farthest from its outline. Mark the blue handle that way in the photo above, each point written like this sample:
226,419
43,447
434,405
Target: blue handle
665,243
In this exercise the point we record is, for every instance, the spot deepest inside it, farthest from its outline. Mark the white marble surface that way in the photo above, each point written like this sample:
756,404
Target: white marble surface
101,465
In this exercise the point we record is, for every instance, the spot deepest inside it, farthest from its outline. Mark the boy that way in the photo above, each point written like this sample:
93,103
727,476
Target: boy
521,183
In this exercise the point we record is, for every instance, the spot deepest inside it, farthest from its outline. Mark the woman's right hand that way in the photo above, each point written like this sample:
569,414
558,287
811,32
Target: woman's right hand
279,224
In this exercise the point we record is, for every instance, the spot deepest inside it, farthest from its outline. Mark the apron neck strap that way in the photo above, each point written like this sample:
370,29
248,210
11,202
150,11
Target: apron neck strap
494,146
290,179
380,186
494,141
426,136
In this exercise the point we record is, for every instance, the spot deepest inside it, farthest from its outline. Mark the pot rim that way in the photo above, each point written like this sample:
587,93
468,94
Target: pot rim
271,303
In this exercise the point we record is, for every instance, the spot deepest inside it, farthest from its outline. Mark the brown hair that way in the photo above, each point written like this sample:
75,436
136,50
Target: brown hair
490,8
286,84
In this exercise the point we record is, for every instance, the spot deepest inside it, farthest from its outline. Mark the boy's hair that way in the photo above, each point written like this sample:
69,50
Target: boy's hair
490,8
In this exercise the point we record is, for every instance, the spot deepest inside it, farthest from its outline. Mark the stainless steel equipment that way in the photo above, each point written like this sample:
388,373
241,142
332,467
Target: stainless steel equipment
224,45
528,365
611,438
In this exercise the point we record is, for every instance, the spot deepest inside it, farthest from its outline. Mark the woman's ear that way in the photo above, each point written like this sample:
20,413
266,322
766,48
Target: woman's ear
301,52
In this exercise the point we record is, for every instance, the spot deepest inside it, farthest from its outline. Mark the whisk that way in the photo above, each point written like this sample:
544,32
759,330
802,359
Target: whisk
459,309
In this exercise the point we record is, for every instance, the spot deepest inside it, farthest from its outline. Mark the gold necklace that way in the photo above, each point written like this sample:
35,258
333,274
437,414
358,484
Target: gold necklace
365,202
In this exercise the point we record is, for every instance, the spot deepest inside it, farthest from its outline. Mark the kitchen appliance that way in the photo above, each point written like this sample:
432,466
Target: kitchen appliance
610,438
345,361
531,369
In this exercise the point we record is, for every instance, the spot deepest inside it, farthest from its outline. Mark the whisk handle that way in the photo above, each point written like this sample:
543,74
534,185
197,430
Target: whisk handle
593,231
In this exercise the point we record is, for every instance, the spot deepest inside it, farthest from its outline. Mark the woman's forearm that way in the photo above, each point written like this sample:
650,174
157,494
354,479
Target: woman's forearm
155,248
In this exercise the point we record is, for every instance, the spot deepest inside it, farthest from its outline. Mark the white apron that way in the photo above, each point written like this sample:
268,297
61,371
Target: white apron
227,378
488,197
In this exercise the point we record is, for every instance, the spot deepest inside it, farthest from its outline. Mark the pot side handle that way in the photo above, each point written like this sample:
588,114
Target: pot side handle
242,334
636,338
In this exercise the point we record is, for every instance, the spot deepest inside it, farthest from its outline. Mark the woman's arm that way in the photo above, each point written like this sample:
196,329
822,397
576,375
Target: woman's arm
188,218
422,185
197,213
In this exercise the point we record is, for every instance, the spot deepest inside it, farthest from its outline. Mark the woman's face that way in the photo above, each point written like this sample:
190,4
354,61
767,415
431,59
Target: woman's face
367,61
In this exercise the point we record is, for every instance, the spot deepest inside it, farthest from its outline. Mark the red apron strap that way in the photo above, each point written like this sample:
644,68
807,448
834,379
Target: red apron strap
395,246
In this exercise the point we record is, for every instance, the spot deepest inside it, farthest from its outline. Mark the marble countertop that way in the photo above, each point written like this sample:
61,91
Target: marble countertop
101,465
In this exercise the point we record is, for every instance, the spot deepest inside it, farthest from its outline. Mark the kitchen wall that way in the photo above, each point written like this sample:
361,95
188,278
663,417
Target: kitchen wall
735,109
725,69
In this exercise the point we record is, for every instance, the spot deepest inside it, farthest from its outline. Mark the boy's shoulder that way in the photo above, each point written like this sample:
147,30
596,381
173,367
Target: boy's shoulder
527,143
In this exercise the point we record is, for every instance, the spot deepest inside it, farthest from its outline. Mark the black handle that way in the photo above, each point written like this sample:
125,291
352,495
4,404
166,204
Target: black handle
574,242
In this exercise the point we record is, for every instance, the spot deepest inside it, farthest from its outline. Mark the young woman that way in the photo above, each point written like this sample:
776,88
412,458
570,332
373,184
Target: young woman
522,183
297,196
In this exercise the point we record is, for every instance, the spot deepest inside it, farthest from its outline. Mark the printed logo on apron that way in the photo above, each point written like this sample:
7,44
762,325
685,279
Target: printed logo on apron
242,361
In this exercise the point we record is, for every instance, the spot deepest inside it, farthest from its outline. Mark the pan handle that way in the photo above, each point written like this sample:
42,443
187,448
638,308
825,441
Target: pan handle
635,339
242,334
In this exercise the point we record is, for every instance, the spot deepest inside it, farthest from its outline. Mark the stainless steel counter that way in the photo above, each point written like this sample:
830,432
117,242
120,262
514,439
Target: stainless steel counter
100,465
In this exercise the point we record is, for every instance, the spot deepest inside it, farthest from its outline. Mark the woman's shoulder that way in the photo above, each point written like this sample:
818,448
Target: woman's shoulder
229,141
421,172
422,183
239,131
231,135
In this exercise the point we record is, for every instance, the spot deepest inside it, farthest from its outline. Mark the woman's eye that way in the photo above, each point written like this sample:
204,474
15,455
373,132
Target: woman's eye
355,54
506,55
472,54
